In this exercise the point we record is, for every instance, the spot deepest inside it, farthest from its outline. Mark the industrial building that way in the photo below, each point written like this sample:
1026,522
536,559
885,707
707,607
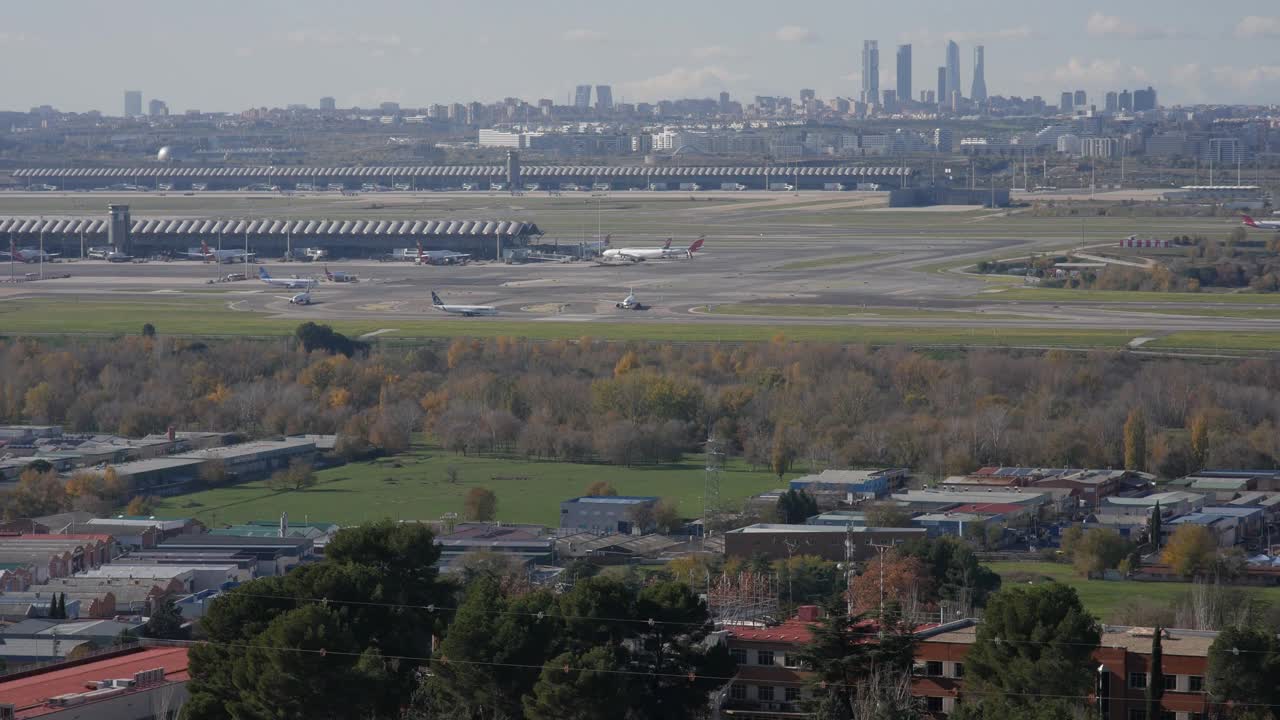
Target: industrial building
780,542
138,682
609,514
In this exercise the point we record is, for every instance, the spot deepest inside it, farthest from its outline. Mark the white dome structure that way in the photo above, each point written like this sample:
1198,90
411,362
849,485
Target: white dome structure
165,155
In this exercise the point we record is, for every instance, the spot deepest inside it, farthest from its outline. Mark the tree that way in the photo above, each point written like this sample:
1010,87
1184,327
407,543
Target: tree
1200,439
1096,550
841,659
213,472
782,452
166,622
1135,441
1155,525
298,476
480,505
1190,551
1033,650
275,652
904,578
140,506
1243,666
600,488
954,569
795,506
666,516
1155,684
323,338
148,330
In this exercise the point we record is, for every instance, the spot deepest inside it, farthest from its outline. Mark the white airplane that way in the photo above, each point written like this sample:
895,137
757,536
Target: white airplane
631,303
440,257
218,256
294,283
302,298
464,310
26,255
1261,224
666,252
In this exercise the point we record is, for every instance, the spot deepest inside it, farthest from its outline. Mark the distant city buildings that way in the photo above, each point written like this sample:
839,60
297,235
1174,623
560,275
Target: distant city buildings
953,70
604,98
157,108
132,103
582,97
328,104
870,72
1144,100
979,92
904,73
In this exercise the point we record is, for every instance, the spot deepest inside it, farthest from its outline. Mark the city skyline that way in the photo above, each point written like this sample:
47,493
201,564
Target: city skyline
250,56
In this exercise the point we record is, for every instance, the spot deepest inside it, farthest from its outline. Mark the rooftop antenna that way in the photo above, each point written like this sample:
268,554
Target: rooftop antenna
711,486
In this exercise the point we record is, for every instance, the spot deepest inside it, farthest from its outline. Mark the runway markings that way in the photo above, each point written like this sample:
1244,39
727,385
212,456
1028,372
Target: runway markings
1140,341
376,333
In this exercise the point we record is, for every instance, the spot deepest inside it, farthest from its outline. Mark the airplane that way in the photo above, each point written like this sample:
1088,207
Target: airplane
26,255
666,252
219,256
294,283
340,276
302,298
464,310
116,256
440,257
631,303
1261,224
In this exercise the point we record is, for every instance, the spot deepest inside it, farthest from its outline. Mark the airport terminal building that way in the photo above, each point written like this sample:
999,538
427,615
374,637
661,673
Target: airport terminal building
70,236
511,176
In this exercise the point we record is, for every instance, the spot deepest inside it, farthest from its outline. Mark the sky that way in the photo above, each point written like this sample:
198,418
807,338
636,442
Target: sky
230,55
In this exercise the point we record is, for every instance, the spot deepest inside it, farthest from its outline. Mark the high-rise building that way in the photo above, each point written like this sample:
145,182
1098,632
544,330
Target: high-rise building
1081,99
157,108
870,71
942,85
1144,99
328,104
1068,102
942,140
807,94
979,93
928,97
724,102
132,103
904,73
1126,101
953,68
890,100
1113,101
582,97
604,98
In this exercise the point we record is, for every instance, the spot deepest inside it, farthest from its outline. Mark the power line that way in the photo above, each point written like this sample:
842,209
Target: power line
445,661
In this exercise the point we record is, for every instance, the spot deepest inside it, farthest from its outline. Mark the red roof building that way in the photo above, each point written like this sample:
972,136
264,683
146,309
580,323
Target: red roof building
141,683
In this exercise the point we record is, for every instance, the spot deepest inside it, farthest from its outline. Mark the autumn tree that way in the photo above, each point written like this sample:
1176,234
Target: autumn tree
480,505
1200,439
601,488
213,472
666,516
782,453
1135,441
140,506
888,515
904,580
795,506
1190,551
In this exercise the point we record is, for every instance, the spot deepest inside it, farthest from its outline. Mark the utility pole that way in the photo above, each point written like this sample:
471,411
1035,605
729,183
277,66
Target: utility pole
882,549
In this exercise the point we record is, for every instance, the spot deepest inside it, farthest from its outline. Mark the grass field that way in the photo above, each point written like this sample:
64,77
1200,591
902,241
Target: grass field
836,311
415,486
1225,340
1059,295
832,261
210,318
1104,597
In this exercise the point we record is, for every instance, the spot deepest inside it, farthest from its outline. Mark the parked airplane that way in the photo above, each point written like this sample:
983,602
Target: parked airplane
25,255
1261,224
464,310
440,257
294,283
302,298
631,303
666,252
116,256
219,256
339,276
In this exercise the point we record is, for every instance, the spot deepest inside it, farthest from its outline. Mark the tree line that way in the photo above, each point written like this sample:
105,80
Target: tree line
778,405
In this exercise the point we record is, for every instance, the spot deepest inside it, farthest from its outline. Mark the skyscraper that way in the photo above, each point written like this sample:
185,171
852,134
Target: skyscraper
942,85
1144,99
328,104
1126,101
1113,101
1067,103
582,97
904,73
1081,98
157,108
132,103
979,93
870,71
953,68
604,98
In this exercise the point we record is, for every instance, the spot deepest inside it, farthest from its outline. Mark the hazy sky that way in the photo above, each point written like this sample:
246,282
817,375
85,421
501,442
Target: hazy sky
235,54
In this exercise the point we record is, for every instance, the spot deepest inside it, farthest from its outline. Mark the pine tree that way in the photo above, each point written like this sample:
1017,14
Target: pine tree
1135,441
1155,685
1154,526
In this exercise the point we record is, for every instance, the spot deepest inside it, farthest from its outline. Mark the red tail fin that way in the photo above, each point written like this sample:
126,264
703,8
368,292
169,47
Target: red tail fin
696,246
666,245
1250,221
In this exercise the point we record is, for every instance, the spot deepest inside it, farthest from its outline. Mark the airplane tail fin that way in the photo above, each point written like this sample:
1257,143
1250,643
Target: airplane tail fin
607,239
667,245
435,299
327,275
1250,221
262,273
696,246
